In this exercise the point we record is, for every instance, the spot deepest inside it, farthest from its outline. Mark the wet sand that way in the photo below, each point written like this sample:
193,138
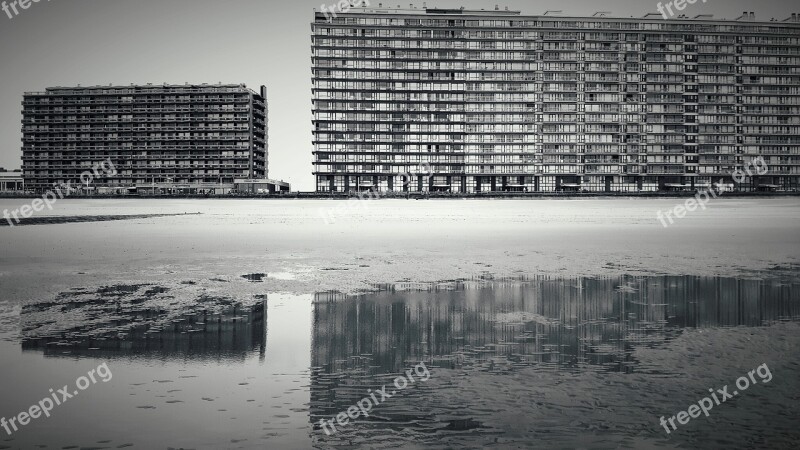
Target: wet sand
249,381
55,220
392,241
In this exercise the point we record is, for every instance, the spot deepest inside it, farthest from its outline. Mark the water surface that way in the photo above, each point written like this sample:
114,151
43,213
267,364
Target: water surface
537,362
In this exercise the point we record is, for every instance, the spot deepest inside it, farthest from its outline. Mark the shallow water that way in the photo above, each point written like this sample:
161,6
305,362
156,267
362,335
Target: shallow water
238,380
536,362
571,324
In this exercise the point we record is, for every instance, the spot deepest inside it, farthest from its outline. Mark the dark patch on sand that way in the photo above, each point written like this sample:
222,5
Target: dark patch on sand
58,220
255,277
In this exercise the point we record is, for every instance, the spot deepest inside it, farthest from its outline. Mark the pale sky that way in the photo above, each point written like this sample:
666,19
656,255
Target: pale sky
91,42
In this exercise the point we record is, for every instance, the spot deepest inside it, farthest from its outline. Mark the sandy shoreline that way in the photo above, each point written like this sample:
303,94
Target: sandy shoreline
241,250
392,241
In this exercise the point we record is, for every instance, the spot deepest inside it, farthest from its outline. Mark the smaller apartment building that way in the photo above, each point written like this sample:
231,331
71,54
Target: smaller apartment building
155,135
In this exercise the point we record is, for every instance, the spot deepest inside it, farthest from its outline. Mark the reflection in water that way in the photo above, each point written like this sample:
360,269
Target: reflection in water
189,363
510,360
549,322
585,324
116,321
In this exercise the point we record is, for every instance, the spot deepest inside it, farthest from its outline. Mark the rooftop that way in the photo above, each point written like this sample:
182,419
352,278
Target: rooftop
747,16
57,90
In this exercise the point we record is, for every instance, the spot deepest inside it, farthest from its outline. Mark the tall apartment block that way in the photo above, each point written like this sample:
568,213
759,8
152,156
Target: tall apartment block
498,101
157,136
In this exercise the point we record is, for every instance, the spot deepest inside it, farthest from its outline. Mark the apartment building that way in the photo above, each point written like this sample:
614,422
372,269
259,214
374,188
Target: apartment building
499,101
166,138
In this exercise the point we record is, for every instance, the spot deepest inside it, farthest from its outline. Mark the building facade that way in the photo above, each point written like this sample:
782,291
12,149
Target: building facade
261,186
497,101
183,135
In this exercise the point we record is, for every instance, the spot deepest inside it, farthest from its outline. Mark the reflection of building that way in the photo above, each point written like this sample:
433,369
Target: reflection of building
185,137
559,323
207,332
591,324
499,101
11,181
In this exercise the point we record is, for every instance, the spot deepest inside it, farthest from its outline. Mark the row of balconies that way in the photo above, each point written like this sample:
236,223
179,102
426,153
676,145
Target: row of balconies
132,166
29,146
88,120
523,156
89,155
378,157
72,161
106,149
541,56
566,158
122,110
57,101
85,119
631,167
564,170
38,138
532,30
675,142
140,129
150,89
135,109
